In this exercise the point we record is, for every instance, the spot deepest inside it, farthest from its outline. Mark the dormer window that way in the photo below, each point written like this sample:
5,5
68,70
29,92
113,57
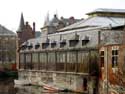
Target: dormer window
53,44
74,40
24,46
62,43
46,43
37,46
85,40
30,46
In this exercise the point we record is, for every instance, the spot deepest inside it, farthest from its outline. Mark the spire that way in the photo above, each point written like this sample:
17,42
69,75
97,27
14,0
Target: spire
46,23
21,25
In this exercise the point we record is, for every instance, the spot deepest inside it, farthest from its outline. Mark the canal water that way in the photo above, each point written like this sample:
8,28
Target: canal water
7,87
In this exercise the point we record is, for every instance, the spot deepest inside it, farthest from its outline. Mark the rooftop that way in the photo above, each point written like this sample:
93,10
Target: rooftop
96,21
106,10
5,31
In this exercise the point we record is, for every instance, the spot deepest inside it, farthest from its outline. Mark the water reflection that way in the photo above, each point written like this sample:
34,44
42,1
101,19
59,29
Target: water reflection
37,90
7,87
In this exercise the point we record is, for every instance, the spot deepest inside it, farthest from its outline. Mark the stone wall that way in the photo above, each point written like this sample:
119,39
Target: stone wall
69,81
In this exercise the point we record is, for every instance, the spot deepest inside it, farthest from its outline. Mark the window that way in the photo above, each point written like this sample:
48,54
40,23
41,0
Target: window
37,46
73,43
62,43
61,59
85,40
114,57
83,61
22,58
43,61
102,58
35,57
43,57
28,58
30,46
53,44
45,45
71,61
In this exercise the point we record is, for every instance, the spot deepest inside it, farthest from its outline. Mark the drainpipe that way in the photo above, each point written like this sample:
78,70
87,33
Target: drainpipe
106,70
99,38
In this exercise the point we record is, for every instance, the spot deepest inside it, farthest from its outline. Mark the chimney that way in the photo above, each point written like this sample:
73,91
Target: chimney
27,23
34,26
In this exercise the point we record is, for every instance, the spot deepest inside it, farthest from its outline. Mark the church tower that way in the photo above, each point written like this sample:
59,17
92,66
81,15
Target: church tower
25,31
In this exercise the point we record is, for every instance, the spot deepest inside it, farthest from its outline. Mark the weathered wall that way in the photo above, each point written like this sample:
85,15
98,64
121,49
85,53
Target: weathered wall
71,81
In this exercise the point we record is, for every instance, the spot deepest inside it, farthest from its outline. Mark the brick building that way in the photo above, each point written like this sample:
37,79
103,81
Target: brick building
25,31
112,60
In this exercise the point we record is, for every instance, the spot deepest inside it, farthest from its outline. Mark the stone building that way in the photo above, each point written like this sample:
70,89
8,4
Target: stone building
7,47
51,26
76,57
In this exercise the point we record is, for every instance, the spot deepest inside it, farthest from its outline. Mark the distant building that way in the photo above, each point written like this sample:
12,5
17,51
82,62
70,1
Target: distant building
7,46
26,32
51,26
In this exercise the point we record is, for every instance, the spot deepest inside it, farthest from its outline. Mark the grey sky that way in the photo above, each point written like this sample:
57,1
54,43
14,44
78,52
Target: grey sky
36,10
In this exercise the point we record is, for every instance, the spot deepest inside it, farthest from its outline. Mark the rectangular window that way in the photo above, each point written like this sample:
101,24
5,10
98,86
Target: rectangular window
73,43
35,57
51,57
28,58
51,66
43,57
83,61
22,58
43,61
114,58
61,59
71,61
22,61
45,45
102,58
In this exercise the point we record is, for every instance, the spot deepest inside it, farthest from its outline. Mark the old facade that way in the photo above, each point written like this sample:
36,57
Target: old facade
51,26
112,59
72,57
7,48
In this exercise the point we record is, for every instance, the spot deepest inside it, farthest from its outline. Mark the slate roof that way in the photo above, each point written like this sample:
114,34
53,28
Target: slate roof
106,10
21,25
90,28
97,21
5,31
37,34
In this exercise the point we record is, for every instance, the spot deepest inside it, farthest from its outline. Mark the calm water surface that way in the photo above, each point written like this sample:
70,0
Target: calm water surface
7,87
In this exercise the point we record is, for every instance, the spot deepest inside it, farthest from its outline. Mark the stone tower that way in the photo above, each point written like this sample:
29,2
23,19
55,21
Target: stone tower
25,31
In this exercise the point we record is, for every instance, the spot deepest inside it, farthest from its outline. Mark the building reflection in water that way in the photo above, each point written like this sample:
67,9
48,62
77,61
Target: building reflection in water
7,87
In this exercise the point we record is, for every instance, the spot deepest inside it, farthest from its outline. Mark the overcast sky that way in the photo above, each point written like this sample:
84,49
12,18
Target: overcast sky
36,10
